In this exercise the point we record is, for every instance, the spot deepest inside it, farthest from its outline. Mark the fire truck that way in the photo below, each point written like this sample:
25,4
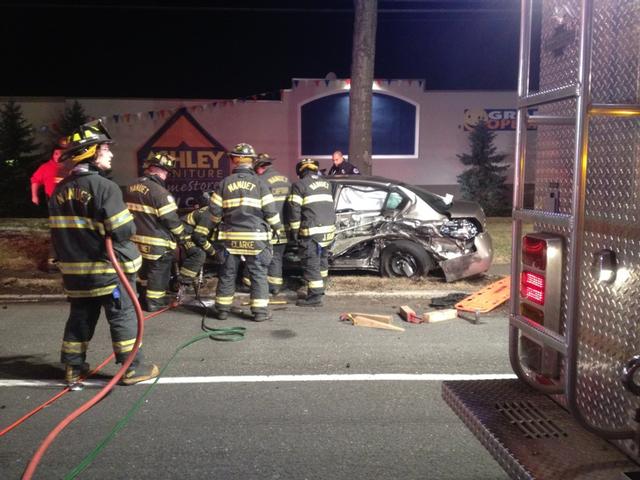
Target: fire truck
574,322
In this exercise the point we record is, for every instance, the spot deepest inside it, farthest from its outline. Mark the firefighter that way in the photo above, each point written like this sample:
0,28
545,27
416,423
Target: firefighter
280,189
84,208
198,226
158,226
312,221
245,210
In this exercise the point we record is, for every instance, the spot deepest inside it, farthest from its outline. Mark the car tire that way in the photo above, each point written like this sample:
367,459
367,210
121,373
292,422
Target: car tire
405,259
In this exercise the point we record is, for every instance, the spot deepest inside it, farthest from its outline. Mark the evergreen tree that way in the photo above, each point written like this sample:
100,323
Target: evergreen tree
19,157
484,181
72,117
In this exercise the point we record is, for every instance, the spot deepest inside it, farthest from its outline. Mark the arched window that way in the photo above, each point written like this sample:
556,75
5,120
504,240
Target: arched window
324,126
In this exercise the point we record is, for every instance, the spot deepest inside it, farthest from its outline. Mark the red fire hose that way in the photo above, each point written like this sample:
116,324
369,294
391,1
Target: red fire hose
33,463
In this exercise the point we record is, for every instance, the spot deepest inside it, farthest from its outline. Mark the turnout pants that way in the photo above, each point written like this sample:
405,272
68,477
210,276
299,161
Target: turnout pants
256,266
153,279
315,265
193,260
83,317
274,272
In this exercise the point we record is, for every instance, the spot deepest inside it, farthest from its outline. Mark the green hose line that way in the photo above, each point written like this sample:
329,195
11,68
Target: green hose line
232,334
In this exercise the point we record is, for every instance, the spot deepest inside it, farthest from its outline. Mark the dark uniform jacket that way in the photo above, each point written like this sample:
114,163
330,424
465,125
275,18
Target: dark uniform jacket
199,225
345,168
84,208
155,212
280,189
246,211
311,213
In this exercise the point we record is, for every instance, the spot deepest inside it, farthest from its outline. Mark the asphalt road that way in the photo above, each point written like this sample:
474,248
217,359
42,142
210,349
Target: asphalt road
224,420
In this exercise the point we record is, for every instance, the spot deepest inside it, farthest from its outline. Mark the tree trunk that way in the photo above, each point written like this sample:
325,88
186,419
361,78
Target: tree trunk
360,95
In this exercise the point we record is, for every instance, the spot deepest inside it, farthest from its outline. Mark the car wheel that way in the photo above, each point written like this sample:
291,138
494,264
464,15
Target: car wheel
405,259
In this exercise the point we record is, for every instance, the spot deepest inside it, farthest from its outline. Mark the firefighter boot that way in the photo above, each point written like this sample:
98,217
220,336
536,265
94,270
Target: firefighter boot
312,300
74,373
221,314
261,316
139,371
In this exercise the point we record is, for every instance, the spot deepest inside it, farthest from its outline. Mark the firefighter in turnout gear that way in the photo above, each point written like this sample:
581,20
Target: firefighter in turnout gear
85,208
159,229
246,212
198,225
280,189
312,221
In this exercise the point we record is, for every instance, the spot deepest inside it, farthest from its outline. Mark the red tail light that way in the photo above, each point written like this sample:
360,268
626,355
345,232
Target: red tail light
534,252
532,287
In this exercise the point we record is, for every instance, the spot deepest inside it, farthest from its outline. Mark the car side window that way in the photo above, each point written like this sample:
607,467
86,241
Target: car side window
361,199
394,201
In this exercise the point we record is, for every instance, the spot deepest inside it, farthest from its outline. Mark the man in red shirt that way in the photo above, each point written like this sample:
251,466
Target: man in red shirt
48,175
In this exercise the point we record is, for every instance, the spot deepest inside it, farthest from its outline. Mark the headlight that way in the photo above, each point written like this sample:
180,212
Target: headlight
461,229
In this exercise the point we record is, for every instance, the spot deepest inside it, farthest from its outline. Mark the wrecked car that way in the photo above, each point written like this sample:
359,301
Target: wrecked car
401,230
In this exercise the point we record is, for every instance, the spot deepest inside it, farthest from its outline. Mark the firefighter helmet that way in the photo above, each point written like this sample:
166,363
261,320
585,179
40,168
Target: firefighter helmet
242,153
161,160
306,163
263,160
81,145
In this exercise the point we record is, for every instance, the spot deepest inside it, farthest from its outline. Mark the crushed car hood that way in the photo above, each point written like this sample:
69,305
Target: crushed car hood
466,209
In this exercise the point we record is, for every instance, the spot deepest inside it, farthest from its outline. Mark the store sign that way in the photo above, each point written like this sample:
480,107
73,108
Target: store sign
201,161
495,118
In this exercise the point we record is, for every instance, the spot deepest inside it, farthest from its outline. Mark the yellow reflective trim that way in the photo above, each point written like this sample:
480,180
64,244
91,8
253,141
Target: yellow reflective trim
155,294
315,284
246,281
202,230
243,251
171,207
215,219
314,230
294,225
321,197
280,198
325,244
148,256
216,199
224,300
206,246
96,292
74,347
267,199
159,242
243,236
259,302
295,199
275,280
274,220
118,220
123,346
178,230
132,266
324,273
85,268
138,207
71,221
187,272
242,201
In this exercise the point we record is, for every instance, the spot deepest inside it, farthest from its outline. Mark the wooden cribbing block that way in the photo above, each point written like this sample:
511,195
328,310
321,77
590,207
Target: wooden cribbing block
408,314
440,315
377,318
368,322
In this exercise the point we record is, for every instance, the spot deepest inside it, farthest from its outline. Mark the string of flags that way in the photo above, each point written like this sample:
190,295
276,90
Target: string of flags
162,113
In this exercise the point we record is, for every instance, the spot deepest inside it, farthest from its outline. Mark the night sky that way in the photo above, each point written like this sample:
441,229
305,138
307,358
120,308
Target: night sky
236,49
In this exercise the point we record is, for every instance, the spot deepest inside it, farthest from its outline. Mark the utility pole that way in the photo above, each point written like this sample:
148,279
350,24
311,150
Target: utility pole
360,95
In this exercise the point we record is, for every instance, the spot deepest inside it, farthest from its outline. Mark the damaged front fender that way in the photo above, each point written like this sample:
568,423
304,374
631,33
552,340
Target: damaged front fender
472,263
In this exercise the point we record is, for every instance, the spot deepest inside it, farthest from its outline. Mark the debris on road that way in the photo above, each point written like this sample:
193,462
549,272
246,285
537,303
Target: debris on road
409,315
440,315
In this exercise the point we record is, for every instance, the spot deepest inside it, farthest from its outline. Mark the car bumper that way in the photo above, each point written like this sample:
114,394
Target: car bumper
472,263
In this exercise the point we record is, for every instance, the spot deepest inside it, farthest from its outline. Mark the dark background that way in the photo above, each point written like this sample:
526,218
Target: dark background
236,49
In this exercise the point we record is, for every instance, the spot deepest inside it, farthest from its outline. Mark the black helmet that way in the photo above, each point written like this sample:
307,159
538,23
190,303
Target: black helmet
81,144
263,160
205,199
162,160
306,163
242,150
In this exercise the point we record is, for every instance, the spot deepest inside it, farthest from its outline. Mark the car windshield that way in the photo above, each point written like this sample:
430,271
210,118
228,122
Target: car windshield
435,201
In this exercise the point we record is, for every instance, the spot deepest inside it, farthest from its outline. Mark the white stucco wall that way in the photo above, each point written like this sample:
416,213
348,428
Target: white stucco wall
274,126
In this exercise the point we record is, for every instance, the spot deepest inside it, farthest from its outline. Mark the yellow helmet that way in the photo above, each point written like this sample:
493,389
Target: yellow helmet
161,160
306,163
242,153
81,145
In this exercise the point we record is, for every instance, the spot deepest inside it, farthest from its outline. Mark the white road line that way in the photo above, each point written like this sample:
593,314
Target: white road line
358,377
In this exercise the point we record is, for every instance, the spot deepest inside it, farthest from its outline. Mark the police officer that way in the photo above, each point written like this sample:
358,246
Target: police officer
280,189
198,228
245,210
159,229
312,221
341,166
84,208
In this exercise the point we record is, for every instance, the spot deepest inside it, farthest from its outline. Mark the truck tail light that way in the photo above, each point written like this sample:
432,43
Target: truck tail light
532,287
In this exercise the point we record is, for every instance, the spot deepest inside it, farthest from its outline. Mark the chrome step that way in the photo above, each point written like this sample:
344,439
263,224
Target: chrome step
550,218
549,96
531,436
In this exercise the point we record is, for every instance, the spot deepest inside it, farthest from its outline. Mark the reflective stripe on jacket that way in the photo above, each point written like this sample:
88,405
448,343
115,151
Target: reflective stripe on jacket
280,189
199,225
310,209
